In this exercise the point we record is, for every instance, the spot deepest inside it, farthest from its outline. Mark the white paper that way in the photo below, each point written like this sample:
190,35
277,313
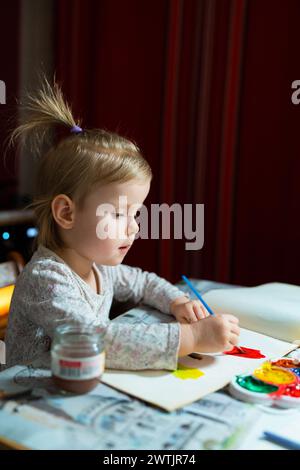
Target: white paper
164,389
272,309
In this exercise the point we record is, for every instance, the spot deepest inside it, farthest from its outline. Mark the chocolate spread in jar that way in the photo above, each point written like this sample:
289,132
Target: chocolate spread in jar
76,386
77,359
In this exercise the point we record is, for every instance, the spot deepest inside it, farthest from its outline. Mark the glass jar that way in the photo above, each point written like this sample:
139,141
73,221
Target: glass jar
77,357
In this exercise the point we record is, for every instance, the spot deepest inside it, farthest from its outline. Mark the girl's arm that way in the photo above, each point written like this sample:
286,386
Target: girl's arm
132,283
47,297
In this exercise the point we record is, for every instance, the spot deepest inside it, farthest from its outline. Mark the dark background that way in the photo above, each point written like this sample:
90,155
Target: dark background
204,88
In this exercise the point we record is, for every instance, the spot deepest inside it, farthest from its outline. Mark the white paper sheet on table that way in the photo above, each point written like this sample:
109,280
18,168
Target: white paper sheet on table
272,309
164,389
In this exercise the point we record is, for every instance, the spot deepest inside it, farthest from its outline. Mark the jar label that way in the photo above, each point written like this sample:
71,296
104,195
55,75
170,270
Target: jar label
72,368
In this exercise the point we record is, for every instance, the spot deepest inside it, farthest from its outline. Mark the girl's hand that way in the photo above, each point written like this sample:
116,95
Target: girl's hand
188,311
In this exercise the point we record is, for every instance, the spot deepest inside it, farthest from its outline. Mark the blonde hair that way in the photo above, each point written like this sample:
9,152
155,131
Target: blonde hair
75,164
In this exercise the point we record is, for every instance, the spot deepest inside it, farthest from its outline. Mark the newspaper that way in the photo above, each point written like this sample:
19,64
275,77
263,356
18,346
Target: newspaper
37,415
46,418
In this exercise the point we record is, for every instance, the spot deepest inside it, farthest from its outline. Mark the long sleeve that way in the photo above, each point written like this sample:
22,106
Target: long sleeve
41,301
49,295
135,284
131,348
142,346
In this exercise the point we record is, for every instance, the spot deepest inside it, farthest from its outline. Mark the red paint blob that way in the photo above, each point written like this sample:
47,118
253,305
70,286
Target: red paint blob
292,390
248,353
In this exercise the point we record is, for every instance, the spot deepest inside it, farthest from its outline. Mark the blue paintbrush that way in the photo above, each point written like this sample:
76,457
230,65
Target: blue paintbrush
197,294
282,441
199,297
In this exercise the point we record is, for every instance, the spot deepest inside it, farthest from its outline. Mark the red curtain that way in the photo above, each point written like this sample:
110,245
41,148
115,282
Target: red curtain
111,62
9,73
203,86
266,228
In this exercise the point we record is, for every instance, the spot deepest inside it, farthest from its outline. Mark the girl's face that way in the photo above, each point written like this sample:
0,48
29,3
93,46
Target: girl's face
107,221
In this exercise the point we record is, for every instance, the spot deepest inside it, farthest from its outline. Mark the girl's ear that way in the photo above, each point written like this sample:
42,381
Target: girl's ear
63,211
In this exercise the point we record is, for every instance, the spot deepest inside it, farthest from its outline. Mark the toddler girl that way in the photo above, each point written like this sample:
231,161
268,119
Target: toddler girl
74,274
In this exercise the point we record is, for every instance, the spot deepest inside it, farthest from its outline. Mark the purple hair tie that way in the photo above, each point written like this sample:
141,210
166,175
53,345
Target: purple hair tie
75,130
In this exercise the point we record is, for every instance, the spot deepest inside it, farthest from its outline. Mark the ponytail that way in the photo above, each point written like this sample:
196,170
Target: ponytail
77,163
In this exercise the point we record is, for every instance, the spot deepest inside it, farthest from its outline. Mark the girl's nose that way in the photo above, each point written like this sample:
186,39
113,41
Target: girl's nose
133,227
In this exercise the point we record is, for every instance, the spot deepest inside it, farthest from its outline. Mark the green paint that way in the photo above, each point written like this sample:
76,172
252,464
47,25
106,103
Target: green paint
253,385
184,372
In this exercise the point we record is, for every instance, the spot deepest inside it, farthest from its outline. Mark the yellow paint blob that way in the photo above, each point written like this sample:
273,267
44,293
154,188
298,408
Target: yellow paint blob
274,375
184,372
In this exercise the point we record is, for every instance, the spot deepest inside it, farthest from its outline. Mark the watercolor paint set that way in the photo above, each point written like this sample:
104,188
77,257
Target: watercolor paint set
275,382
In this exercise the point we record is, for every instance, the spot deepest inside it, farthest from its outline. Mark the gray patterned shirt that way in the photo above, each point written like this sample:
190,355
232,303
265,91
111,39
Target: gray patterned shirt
49,292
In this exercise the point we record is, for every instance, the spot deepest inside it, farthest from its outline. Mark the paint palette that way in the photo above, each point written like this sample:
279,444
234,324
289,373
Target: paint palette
275,382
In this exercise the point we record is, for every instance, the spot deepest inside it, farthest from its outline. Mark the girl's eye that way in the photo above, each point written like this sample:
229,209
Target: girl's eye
119,214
